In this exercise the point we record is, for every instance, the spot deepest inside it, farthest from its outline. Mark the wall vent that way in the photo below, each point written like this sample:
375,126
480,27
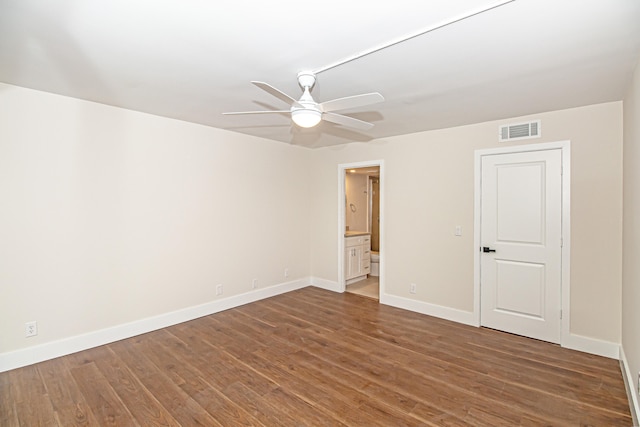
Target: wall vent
516,131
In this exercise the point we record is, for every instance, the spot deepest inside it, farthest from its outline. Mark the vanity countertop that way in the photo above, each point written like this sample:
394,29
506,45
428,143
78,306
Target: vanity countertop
356,233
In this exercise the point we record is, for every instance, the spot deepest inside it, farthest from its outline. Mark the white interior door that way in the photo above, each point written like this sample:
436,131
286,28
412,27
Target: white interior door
521,238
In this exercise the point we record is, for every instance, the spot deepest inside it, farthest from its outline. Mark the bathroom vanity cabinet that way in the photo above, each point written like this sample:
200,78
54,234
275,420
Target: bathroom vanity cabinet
357,258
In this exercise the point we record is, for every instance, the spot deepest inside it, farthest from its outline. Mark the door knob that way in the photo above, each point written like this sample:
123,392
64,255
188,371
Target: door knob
487,249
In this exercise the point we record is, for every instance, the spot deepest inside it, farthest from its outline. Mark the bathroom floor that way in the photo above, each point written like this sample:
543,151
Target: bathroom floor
368,287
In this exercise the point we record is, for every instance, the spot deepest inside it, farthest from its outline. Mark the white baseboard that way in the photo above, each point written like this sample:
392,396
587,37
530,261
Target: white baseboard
629,382
442,312
447,313
326,284
30,355
571,341
591,345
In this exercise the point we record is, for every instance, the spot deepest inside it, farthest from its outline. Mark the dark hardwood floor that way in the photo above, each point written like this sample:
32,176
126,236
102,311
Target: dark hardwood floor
314,358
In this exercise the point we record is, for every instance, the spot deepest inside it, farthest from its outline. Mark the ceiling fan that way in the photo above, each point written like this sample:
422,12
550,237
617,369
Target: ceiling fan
307,113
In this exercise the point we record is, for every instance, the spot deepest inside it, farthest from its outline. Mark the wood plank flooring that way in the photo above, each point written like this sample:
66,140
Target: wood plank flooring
317,358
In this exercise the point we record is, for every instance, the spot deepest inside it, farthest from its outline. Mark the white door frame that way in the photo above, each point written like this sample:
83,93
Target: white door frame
565,147
342,169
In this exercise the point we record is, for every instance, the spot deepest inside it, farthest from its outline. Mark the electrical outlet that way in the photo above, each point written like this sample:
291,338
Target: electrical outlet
31,329
218,290
254,284
286,272
412,288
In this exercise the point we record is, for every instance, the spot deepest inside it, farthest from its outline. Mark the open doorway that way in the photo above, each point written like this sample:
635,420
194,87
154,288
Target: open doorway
360,227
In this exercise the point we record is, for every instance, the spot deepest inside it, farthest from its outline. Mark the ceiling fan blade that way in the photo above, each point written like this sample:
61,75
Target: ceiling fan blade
236,113
351,102
347,121
277,93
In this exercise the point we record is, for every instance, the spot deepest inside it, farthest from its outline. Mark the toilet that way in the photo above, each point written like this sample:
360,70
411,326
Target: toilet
375,264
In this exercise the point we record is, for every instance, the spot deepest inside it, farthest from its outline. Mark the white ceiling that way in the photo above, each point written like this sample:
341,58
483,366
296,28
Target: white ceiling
193,59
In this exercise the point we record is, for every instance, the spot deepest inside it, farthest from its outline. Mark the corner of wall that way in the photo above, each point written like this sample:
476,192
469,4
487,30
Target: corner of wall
629,385
591,345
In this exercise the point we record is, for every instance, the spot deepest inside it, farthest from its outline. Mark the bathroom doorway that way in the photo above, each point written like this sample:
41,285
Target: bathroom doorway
361,240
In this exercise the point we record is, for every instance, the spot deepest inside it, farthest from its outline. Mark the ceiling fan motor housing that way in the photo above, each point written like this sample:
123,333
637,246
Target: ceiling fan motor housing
309,114
306,79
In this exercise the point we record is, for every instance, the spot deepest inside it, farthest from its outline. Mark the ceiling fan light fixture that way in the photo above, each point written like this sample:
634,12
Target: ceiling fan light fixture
306,117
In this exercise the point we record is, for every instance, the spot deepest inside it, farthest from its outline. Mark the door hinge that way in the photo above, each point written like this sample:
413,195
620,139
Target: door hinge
560,314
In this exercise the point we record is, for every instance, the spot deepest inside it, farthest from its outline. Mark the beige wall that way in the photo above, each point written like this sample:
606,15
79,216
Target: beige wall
110,216
631,235
429,185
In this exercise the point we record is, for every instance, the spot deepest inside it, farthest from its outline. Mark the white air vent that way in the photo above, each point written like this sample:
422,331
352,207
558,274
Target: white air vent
516,131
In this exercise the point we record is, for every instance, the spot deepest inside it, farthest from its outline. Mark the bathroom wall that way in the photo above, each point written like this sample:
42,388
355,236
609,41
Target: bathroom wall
357,209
